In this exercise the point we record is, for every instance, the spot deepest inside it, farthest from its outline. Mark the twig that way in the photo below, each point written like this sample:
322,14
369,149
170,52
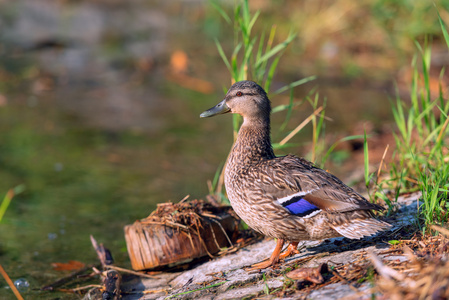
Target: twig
184,199
443,129
146,292
410,255
74,290
154,292
10,283
344,280
213,235
132,272
381,162
175,225
203,214
66,279
104,255
300,126
383,270
224,232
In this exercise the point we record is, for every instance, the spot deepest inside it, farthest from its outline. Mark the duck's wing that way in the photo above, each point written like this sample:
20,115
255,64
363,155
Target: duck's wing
303,189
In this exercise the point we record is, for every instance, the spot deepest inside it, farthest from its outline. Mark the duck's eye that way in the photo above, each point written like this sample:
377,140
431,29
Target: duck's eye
239,94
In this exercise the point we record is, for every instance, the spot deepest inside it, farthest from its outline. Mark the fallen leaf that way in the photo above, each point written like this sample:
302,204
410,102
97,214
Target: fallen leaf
72,265
309,274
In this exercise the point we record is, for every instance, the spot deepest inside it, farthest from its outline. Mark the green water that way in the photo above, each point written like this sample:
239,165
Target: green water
81,181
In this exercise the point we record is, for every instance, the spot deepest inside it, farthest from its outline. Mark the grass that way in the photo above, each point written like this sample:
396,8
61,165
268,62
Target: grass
256,57
197,290
420,159
8,198
253,57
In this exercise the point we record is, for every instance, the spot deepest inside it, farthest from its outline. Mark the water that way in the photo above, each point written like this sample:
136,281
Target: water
22,284
81,181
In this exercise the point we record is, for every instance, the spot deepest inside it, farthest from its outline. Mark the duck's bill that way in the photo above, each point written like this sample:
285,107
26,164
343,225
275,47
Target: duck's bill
220,108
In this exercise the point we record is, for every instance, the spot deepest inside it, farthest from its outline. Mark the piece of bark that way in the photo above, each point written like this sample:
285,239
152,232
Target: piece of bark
111,283
104,255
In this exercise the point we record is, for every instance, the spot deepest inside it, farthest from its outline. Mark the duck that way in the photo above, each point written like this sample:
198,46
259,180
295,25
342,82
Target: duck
287,197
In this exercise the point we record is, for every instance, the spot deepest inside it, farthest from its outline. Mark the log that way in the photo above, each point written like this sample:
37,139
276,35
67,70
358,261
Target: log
168,239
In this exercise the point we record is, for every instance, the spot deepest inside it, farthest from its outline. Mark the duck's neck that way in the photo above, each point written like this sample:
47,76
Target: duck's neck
253,143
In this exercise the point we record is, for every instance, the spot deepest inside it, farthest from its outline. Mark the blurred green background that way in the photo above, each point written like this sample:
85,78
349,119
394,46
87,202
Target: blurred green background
100,104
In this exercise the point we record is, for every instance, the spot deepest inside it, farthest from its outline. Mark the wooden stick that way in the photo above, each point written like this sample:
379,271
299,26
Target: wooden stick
81,288
66,279
10,283
381,162
344,280
384,271
104,255
132,272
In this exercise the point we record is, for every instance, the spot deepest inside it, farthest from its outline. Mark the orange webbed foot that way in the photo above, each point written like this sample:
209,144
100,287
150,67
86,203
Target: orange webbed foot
274,258
291,250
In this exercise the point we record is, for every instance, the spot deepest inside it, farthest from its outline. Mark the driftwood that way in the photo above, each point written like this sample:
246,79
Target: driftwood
178,233
111,278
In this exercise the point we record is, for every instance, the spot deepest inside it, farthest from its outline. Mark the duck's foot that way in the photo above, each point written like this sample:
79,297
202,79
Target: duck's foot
292,249
274,258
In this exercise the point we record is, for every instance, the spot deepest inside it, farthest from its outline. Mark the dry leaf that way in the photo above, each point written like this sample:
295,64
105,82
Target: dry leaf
72,265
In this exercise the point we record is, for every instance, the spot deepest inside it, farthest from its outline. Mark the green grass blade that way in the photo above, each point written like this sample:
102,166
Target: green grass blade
270,41
253,20
321,119
366,159
246,58
294,84
276,49
221,11
216,178
245,12
270,75
289,108
443,29
8,198
399,118
196,290
259,71
222,54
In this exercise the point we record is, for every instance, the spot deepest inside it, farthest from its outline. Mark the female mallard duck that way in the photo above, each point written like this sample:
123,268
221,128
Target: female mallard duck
287,197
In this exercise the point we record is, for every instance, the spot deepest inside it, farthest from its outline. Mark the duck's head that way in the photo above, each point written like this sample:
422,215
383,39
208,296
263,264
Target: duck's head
245,98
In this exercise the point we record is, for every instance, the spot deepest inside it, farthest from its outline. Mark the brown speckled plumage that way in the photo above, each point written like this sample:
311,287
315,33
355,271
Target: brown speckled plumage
263,189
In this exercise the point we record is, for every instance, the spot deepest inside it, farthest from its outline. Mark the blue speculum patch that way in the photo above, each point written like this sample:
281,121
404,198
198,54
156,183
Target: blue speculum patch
300,207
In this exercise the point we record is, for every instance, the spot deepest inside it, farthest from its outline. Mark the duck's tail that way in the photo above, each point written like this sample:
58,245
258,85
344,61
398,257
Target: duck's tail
358,224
